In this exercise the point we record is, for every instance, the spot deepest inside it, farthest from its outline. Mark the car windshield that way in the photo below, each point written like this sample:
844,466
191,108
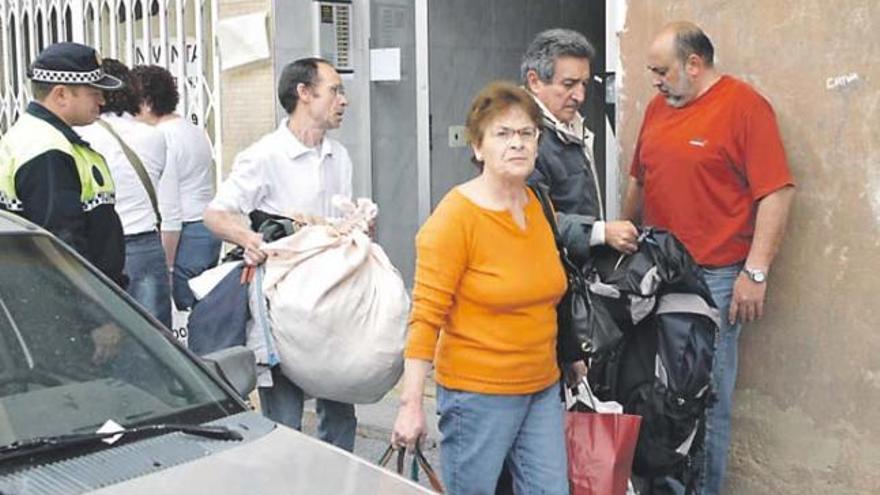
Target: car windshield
74,353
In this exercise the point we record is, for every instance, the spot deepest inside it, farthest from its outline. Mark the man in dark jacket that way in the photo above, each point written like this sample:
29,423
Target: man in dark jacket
48,174
556,70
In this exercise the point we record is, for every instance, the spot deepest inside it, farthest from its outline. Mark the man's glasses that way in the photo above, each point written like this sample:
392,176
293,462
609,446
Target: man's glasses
335,90
338,90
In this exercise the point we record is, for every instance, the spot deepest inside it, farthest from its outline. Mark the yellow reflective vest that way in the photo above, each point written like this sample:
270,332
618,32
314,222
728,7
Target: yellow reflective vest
31,137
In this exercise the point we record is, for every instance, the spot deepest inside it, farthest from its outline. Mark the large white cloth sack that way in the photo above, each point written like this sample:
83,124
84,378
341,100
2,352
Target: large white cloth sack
337,308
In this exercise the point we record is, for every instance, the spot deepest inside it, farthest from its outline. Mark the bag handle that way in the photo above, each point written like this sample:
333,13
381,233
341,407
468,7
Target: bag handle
583,391
583,394
418,461
138,169
433,479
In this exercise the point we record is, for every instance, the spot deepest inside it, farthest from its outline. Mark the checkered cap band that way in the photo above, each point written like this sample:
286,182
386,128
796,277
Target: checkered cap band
66,77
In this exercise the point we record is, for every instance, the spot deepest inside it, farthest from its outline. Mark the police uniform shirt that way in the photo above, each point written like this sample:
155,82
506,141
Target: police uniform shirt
48,191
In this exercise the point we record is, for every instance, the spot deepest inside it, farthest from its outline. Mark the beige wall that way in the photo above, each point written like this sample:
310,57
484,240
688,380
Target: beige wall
807,413
247,92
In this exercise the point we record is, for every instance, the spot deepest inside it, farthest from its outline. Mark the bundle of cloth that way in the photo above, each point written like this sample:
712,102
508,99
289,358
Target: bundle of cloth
328,306
337,307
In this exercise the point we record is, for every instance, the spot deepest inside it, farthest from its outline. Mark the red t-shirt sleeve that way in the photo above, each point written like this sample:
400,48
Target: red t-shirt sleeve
763,154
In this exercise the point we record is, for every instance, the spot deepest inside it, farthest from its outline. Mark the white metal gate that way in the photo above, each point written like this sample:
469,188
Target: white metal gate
179,35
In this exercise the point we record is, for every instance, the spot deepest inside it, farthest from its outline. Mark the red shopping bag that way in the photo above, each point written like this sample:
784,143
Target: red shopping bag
600,448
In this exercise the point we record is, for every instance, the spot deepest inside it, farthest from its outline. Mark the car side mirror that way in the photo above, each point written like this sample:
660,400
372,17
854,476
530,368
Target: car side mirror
236,366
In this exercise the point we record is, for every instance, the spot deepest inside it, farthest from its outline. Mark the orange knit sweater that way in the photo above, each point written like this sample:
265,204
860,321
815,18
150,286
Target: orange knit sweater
485,295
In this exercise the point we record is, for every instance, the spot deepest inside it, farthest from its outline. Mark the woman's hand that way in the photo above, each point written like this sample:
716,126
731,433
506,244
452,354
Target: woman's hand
409,427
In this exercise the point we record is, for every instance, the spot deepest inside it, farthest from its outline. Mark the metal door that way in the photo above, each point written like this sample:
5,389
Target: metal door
179,35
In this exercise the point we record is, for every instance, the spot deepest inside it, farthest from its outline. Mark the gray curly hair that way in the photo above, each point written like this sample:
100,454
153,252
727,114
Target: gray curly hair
548,46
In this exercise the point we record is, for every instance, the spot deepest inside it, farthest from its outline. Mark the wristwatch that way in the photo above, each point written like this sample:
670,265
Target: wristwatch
755,275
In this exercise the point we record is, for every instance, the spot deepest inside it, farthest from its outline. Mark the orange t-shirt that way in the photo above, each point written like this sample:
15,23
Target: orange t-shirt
704,166
485,295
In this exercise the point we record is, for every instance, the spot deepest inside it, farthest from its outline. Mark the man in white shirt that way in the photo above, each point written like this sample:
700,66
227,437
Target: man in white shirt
295,170
145,263
189,176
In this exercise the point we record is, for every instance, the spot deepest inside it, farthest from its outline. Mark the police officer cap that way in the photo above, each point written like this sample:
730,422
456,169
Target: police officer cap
71,64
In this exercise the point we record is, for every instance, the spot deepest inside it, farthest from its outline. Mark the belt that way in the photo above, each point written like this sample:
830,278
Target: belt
140,234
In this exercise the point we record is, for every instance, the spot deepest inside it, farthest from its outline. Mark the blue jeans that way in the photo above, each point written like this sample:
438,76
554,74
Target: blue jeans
720,282
480,432
283,403
197,251
148,275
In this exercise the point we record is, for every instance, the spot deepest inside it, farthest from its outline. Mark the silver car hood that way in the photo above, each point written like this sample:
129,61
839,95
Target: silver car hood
282,461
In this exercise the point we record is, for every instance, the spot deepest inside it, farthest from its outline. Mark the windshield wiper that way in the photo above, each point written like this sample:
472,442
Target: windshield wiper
59,442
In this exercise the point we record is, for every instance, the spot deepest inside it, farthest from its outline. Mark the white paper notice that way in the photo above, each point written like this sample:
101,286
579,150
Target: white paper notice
110,426
385,64
242,39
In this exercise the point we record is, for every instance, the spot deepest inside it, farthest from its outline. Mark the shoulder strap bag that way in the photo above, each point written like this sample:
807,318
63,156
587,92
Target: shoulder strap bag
574,340
138,168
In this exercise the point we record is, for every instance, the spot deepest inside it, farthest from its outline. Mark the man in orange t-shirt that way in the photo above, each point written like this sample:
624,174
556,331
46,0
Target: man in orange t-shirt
709,165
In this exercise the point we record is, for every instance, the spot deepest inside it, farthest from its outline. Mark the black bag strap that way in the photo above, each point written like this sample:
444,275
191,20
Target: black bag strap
138,169
547,208
549,214
386,456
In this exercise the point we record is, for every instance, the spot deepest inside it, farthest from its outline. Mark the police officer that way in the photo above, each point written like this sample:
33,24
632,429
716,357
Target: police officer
48,173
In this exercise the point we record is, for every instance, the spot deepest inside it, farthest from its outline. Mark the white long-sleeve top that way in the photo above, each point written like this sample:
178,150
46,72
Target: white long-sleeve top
189,171
132,201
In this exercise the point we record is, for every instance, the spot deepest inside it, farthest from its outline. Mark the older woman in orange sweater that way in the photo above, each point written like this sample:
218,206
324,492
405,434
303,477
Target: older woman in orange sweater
487,282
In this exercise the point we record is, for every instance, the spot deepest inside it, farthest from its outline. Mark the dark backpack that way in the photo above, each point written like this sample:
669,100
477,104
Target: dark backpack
219,320
661,370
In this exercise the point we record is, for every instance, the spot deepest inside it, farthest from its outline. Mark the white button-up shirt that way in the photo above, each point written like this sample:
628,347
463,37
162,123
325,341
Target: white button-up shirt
132,202
189,171
281,176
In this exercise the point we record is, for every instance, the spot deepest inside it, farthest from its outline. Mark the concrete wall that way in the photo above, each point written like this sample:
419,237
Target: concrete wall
247,92
807,415
393,129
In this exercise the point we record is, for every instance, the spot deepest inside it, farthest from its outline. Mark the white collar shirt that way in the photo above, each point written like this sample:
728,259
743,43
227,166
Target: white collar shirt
281,176
576,130
132,201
